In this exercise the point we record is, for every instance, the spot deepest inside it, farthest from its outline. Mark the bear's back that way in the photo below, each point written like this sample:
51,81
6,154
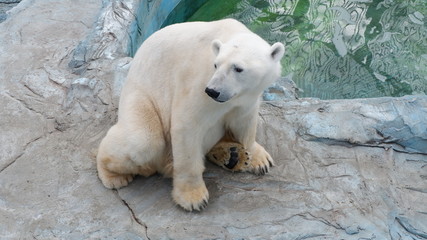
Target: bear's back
193,34
179,51
179,42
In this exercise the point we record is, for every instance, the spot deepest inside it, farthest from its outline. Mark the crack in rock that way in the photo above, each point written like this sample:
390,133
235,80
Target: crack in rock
308,236
25,104
346,143
20,155
134,217
310,216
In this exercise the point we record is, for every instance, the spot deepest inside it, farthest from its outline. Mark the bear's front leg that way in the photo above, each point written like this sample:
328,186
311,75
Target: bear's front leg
190,192
189,189
242,130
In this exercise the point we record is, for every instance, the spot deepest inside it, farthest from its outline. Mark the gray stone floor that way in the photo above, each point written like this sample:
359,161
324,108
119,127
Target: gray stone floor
349,169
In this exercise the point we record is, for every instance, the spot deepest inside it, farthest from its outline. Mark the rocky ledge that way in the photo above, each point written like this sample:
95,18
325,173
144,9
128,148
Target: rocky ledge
346,169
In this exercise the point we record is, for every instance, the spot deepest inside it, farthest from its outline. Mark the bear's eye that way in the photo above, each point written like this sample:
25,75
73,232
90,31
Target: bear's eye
237,69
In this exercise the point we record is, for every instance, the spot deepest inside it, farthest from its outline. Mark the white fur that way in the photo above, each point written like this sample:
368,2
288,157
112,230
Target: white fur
164,110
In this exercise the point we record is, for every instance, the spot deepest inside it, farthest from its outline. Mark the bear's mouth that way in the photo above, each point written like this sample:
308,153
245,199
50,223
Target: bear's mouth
218,100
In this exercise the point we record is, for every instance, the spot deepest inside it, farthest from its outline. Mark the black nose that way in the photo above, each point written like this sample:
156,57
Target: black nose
212,93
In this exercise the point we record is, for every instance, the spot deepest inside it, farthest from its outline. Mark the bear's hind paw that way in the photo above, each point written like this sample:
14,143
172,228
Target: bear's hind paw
229,155
234,157
116,181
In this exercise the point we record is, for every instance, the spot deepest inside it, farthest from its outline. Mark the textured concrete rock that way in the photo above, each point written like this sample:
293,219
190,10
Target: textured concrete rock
399,123
346,169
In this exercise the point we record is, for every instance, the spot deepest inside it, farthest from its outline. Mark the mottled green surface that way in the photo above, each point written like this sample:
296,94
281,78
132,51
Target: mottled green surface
213,10
340,48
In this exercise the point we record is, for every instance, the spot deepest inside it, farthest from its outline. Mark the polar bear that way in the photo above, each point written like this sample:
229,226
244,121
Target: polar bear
190,86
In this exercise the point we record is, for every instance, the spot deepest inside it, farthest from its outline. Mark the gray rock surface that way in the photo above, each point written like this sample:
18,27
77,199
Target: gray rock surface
6,5
346,169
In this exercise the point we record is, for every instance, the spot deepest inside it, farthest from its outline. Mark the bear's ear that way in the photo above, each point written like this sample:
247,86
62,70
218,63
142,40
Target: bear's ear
216,46
277,51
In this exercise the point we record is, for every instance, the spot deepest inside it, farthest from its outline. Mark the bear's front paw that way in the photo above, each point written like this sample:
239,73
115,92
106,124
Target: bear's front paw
261,161
190,197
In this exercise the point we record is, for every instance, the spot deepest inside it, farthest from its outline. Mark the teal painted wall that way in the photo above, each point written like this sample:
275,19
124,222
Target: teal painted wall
153,15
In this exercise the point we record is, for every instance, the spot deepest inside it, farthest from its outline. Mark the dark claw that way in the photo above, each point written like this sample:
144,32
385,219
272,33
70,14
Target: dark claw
204,205
270,163
261,171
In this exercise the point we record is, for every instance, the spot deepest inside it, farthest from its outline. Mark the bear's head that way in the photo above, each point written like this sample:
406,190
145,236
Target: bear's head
244,66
